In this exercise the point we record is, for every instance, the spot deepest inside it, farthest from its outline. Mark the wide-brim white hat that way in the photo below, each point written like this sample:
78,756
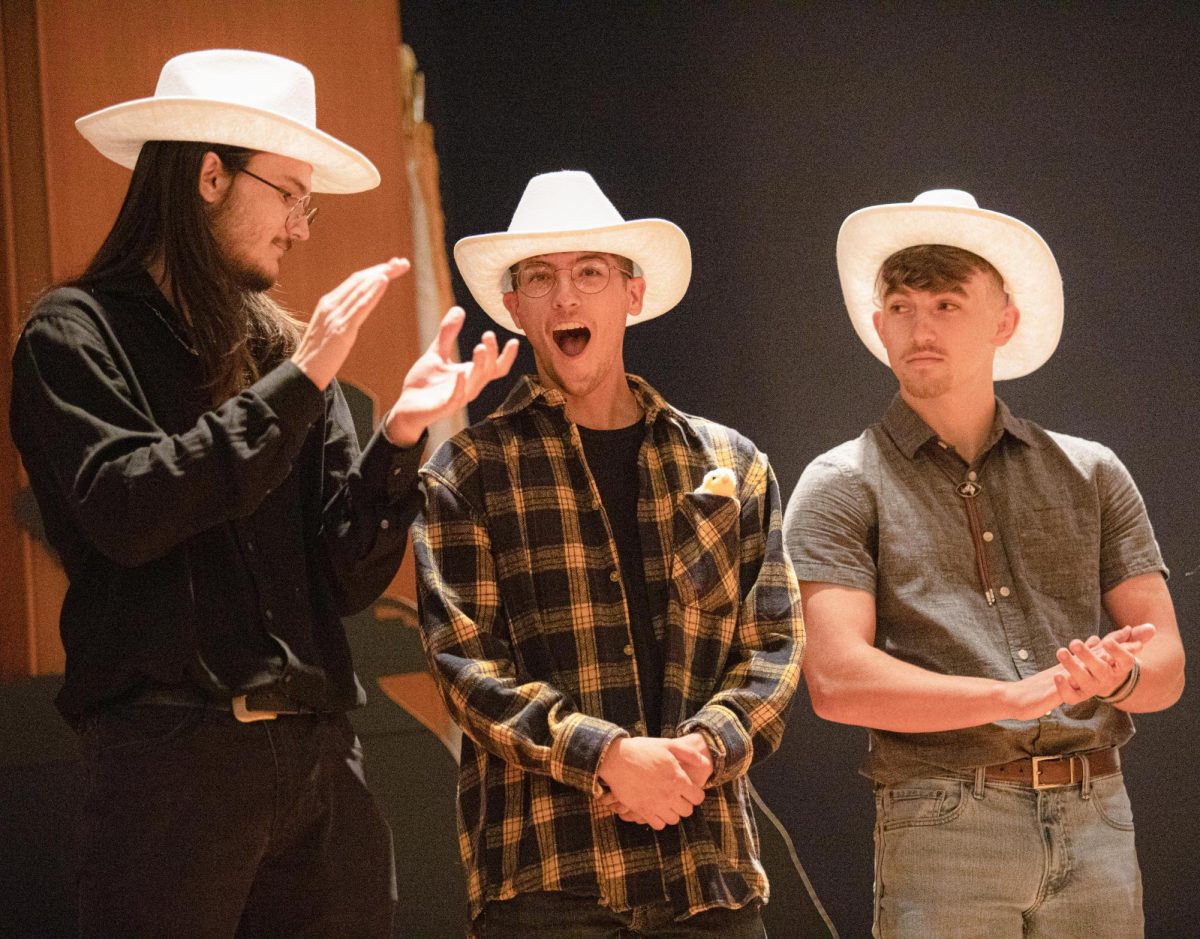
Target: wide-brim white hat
234,97
566,211
953,217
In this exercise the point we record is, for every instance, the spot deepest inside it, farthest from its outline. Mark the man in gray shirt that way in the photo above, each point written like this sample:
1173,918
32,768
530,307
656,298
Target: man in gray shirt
957,566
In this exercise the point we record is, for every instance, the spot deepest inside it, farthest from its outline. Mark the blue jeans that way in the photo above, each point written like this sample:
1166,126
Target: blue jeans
958,859
556,915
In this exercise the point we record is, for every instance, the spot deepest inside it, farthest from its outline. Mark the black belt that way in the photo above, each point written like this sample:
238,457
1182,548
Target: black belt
264,705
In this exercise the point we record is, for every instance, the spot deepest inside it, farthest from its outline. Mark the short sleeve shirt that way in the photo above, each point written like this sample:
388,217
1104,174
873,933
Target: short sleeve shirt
1062,523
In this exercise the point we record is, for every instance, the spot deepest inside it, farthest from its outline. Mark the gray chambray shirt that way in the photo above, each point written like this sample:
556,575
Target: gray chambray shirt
1062,523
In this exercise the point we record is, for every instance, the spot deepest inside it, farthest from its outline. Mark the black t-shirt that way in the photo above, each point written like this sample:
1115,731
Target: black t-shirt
612,457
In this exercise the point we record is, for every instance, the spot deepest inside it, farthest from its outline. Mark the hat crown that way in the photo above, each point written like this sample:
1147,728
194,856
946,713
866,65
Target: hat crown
952,198
237,76
564,201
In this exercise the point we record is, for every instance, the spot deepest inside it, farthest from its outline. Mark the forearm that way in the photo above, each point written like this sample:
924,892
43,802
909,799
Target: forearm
365,525
1160,678
531,725
873,689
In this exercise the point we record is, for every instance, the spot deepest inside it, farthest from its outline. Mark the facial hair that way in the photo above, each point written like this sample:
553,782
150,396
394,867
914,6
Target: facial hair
242,275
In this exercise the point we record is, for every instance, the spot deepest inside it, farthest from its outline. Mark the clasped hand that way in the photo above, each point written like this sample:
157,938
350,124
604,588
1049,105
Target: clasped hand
655,781
1085,669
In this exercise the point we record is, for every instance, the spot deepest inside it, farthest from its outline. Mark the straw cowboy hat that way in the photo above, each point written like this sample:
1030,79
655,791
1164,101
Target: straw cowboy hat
953,217
234,97
566,211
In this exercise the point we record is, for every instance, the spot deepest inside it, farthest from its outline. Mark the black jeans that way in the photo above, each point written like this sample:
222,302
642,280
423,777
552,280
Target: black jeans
196,825
565,916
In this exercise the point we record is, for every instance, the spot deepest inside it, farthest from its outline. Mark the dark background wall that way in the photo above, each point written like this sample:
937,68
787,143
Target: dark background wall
757,127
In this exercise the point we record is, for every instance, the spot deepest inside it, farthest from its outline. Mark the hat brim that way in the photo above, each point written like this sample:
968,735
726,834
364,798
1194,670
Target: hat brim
870,236
119,131
658,247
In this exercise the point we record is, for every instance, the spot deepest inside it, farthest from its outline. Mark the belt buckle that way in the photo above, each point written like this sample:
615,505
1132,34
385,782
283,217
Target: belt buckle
247,716
1037,772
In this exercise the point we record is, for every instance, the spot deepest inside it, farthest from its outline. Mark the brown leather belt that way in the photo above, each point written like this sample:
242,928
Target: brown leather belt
1049,772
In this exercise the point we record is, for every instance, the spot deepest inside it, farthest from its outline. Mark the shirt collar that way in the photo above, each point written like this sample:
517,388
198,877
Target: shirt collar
530,390
909,432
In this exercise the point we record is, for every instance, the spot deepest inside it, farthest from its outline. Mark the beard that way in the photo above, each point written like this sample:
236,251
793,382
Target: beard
248,278
241,273
926,386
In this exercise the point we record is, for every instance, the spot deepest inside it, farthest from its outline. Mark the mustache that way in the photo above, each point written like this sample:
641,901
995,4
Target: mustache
922,350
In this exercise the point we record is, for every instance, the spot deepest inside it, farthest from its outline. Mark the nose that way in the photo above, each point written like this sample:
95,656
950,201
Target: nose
564,294
922,328
297,227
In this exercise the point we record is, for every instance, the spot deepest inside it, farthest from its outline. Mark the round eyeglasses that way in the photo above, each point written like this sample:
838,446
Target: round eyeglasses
588,275
299,207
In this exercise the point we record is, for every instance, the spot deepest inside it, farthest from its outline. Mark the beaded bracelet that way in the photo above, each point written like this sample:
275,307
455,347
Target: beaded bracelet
1126,688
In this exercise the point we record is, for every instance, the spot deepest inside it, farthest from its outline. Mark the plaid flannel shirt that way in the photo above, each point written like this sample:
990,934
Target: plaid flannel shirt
524,621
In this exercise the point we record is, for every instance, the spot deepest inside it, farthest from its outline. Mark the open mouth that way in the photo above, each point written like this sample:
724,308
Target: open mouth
572,338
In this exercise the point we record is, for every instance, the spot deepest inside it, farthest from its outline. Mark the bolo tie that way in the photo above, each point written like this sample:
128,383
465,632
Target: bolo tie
968,490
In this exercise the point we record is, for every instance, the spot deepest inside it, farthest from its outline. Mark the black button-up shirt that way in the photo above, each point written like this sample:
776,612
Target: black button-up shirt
210,546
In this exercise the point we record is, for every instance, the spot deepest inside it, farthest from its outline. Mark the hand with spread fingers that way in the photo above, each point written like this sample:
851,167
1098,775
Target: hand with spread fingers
437,385
339,315
1099,667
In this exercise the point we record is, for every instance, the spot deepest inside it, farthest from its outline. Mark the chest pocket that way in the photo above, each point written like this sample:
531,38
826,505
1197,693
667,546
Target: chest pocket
1061,551
704,556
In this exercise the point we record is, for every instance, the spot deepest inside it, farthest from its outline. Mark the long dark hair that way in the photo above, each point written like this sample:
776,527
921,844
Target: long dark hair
237,333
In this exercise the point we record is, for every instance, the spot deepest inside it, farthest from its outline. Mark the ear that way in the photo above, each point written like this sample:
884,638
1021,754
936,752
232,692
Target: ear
636,291
876,319
215,179
510,304
1010,319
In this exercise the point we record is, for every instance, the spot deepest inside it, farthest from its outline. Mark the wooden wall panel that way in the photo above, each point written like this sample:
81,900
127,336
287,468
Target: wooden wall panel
25,267
91,54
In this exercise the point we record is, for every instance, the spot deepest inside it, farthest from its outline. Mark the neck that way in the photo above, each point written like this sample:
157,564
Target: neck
963,421
158,273
609,407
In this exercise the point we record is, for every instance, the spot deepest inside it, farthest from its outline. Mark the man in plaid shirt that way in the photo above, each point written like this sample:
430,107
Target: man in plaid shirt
618,636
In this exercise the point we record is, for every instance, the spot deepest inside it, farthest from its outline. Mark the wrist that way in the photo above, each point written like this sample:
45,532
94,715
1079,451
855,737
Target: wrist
400,432
1126,688
321,381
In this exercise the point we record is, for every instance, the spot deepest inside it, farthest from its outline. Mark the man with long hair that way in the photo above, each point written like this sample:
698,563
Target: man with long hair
198,473
959,566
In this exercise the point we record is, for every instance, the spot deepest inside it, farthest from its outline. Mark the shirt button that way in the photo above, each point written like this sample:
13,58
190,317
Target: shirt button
988,536
639,728
384,523
614,576
268,614
628,649
1023,655
250,546
972,476
1004,591
396,471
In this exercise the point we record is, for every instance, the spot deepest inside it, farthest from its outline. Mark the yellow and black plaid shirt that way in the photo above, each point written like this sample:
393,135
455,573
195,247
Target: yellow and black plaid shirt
524,619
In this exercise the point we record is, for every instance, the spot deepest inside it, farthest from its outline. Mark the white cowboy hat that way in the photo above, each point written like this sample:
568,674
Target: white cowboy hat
953,217
566,211
234,97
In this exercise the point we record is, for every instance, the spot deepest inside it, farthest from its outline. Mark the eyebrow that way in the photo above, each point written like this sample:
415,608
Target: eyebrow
957,290
539,259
